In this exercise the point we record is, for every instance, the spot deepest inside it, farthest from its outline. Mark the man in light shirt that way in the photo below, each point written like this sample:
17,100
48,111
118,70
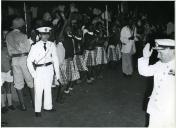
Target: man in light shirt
18,47
161,106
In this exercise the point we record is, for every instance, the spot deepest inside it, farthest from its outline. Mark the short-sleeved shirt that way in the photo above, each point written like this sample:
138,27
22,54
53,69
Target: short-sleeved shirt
17,42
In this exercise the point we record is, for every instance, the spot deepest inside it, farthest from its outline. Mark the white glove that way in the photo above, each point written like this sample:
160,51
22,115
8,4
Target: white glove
146,51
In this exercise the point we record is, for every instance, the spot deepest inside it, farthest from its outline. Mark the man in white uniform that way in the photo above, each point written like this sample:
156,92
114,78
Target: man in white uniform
42,61
161,106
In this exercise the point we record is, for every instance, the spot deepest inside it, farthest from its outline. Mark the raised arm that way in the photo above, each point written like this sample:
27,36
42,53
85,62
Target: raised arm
143,63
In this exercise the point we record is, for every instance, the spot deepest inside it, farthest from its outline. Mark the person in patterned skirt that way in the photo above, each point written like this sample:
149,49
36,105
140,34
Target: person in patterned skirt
113,51
89,54
100,53
78,52
69,66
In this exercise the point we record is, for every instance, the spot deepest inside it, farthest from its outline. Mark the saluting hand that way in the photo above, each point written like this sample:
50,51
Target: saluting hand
146,51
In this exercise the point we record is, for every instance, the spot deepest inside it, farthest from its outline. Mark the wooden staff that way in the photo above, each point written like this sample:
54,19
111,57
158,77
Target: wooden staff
25,17
106,16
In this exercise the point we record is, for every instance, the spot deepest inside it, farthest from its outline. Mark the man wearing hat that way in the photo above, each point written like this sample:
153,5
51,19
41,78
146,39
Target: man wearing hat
18,47
161,106
42,62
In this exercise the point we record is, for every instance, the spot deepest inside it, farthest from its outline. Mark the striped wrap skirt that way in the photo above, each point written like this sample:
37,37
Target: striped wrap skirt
100,56
112,55
89,58
80,62
69,71
63,78
118,52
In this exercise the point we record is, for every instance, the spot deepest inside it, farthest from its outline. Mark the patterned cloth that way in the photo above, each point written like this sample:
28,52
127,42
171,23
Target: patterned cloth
118,52
100,55
114,53
63,77
69,71
112,56
80,62
89,58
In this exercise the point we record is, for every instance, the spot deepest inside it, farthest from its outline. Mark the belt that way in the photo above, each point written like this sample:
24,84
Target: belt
20,55
41,65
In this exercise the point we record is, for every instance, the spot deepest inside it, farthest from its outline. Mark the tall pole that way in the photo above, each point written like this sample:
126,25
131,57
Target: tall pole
25,17
106,16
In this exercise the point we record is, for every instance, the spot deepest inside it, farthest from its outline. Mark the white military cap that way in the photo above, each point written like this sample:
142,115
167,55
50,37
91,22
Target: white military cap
44,29
164,43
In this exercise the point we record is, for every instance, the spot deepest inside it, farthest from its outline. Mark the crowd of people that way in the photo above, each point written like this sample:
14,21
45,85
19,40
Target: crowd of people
78,45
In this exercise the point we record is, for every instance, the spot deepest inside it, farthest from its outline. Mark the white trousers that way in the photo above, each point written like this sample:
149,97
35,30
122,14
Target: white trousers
43,83
159,121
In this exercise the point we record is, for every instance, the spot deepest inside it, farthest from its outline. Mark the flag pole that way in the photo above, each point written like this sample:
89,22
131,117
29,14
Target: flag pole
106,16
25,16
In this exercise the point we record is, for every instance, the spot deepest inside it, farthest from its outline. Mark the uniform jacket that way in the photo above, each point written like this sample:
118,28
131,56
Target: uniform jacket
38,55
162,100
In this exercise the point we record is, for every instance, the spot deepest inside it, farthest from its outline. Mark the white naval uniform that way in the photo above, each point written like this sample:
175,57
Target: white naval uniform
161,106
43,76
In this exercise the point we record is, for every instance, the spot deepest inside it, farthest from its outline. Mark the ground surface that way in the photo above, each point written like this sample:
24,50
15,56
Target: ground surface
114,101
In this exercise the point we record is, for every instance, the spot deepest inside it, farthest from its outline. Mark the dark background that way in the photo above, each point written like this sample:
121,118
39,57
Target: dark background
158,11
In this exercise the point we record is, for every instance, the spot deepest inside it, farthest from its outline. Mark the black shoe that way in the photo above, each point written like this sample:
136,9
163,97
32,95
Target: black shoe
11,107
22,107
125,75
4,110
51,110
38,114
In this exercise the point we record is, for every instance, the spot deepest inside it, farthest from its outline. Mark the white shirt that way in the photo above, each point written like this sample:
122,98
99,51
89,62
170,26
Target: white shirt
162,100
38,55
127,44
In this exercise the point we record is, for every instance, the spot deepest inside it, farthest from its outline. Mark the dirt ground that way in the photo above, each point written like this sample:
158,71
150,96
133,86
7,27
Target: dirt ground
114,101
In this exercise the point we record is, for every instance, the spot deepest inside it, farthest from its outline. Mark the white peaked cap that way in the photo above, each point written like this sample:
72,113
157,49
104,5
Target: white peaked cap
44,29
163,43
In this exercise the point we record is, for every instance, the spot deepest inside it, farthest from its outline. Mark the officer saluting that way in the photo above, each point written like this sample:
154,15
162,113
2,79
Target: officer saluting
42,61
161,106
